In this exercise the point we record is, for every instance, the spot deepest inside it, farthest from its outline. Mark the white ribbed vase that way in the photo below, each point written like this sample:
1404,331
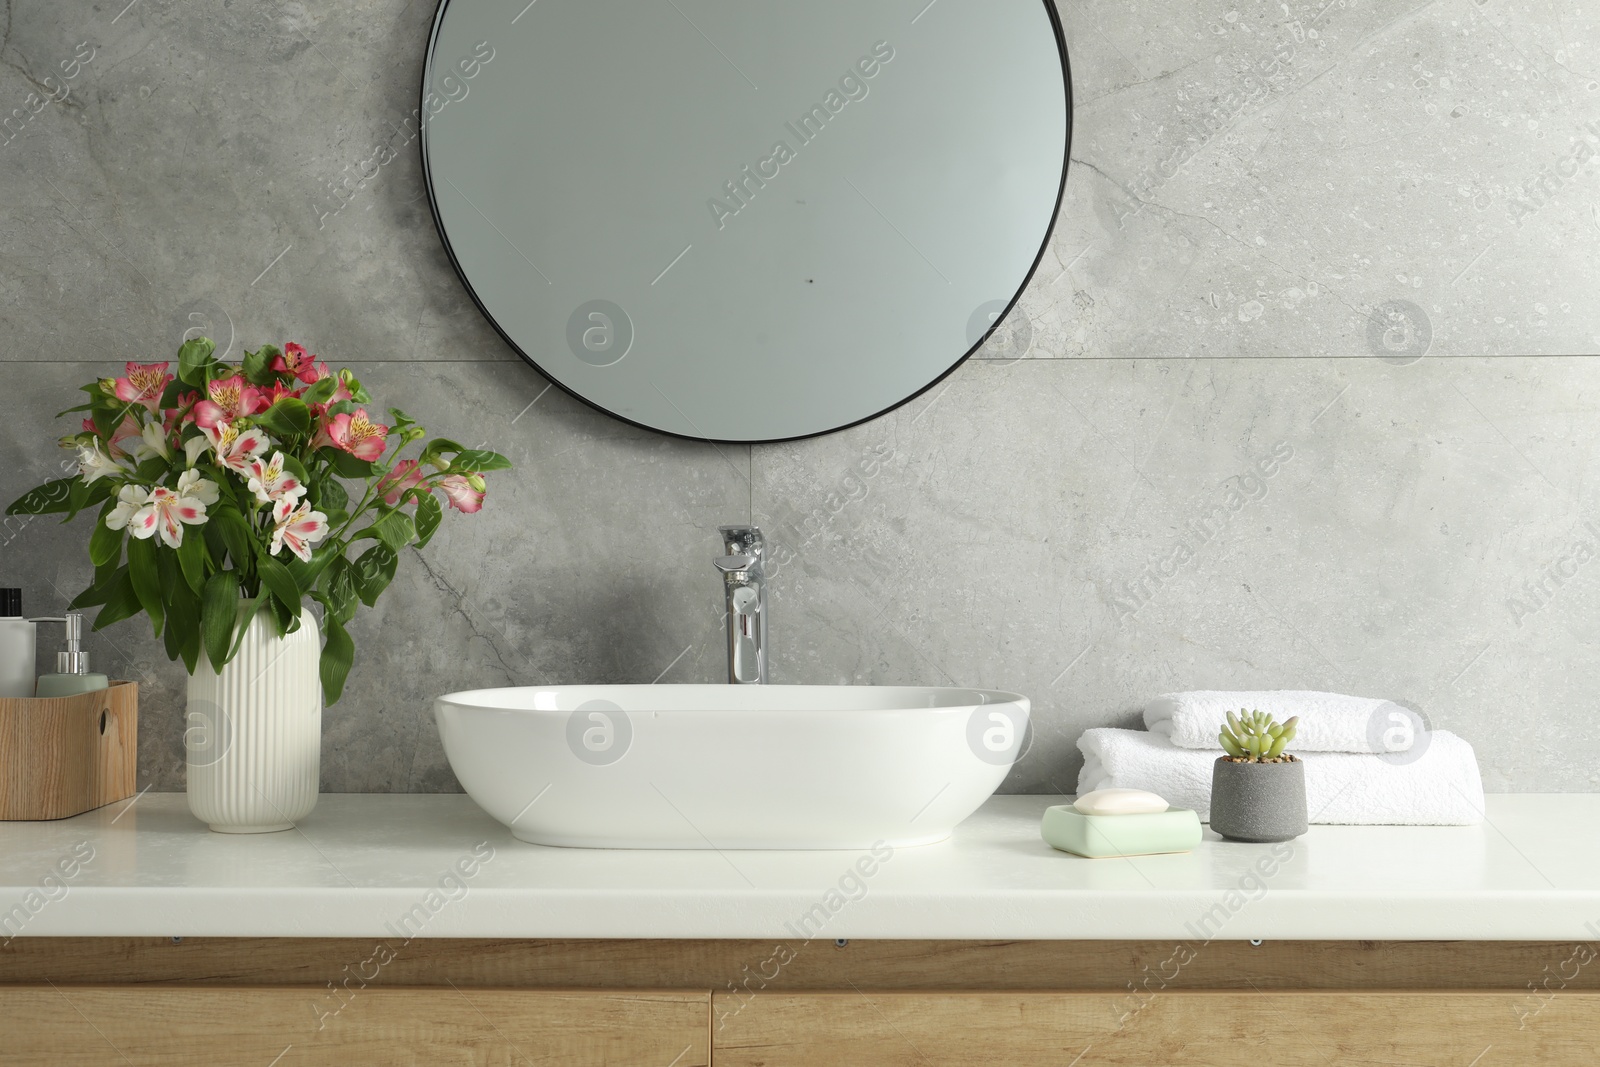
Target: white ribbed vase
253,738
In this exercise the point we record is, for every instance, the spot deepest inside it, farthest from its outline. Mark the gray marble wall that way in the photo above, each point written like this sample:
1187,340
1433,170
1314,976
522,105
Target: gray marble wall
1358,233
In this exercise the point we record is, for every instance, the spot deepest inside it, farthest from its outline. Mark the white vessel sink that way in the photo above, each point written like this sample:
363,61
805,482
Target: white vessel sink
731,766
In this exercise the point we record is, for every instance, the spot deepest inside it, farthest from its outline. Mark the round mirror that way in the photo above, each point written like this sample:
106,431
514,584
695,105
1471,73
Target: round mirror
745,220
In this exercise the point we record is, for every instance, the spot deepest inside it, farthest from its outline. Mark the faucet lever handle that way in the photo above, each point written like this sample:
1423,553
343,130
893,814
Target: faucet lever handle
742,540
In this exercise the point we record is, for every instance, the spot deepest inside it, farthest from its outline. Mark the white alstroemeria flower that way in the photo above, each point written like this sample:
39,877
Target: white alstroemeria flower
129,500
195,447
193,487
93,463
235,448
154,437
166,513
297,527
270,482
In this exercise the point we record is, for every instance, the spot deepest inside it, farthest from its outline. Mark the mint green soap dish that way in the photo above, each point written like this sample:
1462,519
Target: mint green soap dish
1101,836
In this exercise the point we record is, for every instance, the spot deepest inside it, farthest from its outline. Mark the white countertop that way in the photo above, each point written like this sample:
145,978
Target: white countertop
359,863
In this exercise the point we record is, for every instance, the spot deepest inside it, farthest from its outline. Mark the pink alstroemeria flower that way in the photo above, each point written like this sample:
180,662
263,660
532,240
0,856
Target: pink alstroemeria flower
271,483
236,449
355,433
297,527
464,491
127,429
298,362
277,391
392,486
228,399
144,384
174,419
183,415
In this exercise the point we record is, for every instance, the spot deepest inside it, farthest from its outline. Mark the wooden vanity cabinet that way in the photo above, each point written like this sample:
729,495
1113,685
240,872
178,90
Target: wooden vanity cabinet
1195,1029
279,1026
76,1002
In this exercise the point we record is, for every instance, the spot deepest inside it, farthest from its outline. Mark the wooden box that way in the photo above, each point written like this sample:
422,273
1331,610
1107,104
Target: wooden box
62,756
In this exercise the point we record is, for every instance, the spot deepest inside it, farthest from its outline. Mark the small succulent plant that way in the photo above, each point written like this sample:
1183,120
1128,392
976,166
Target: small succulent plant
1255,736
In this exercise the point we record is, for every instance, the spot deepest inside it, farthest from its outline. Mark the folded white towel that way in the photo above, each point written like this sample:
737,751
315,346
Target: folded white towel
1329,722
1440,786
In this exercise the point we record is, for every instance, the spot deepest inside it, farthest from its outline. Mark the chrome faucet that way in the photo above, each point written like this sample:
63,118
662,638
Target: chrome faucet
744,578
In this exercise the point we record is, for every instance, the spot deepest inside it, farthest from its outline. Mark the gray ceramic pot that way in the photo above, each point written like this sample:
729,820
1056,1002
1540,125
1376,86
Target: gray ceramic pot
1258,801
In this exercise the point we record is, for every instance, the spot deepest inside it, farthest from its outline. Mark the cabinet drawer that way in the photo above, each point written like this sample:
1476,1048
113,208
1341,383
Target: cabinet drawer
78,1026
1197,1029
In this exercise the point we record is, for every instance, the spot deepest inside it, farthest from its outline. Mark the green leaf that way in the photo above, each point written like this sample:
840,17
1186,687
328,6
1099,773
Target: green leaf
236,534
248,610
477,460
296,468
321,391
106,585
393,528
146,574
429,515
331,496
216,546
48,499
121,602
285,619
344,464
438,447
337,656
220,612
182,634
279,582
152,469
340,598
372,572
287,418
257,366
83,495
193,360
105,571
400,420
306,574
167,570
352,386
172,637
107,417
105,544
192,557
229,490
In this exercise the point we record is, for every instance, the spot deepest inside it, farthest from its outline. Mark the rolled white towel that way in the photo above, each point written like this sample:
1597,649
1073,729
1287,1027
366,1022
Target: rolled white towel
1329,722
1439,786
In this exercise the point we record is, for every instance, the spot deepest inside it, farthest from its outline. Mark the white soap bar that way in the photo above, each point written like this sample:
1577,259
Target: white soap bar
1120,802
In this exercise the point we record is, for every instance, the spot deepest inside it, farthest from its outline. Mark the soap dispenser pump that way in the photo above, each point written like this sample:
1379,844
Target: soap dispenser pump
72,664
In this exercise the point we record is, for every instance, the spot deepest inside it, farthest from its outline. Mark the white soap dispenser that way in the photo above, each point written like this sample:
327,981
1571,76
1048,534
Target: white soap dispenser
72,664
16,646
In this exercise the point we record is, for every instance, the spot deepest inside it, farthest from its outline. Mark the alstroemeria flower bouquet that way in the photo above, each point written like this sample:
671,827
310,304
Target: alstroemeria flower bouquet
224,487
